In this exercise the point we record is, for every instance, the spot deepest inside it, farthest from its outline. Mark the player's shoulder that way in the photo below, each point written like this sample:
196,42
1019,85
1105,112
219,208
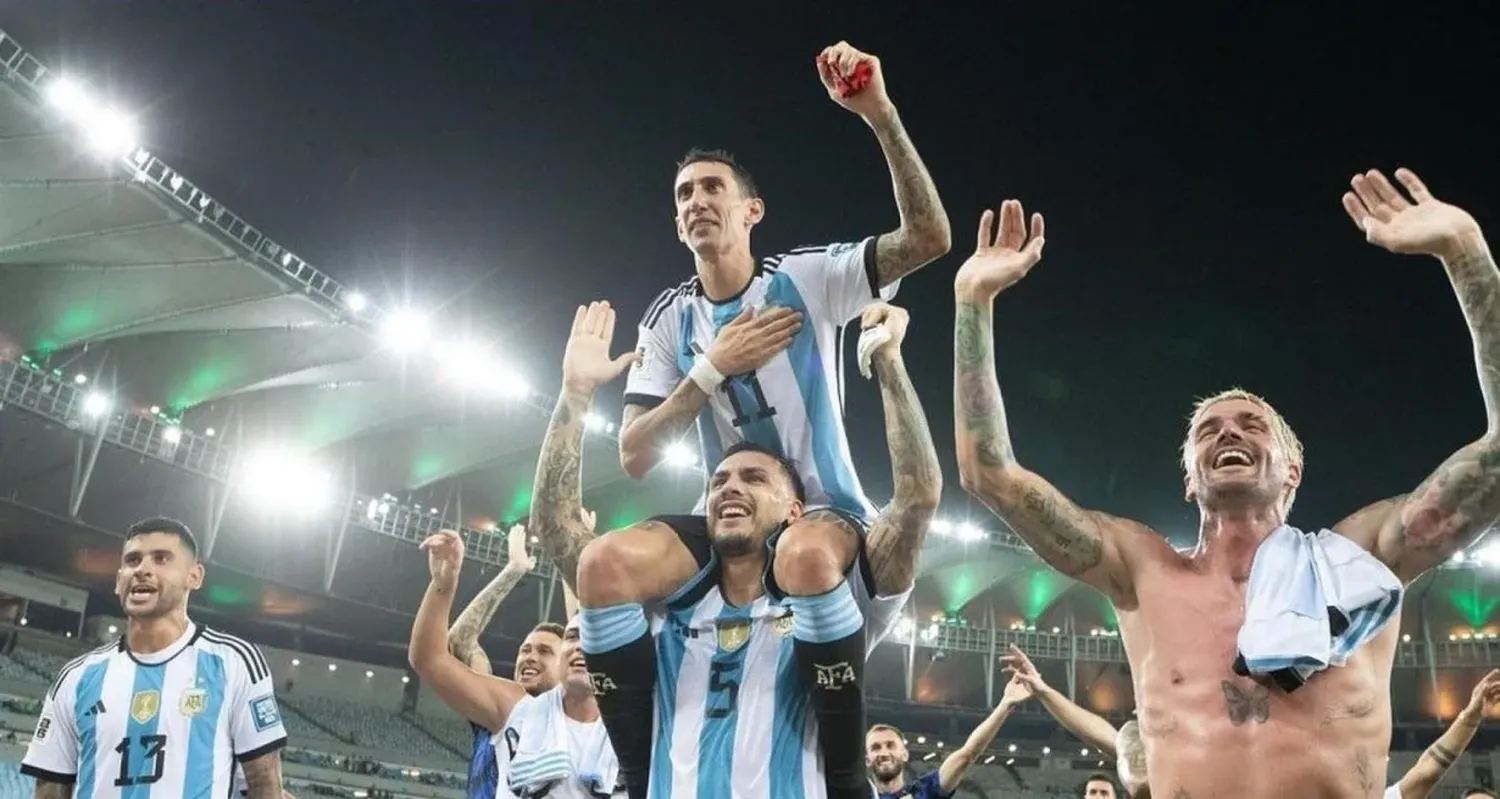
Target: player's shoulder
670,298
73,670
237,653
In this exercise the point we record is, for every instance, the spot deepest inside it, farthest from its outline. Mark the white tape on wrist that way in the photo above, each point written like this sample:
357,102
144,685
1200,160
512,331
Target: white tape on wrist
706,375
870,340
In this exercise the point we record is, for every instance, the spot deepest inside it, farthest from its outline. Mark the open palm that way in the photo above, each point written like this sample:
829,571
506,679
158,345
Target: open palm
587,364
999,260
1421,225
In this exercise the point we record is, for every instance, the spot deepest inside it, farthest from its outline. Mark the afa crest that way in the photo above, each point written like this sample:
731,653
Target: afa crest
192,702
144,706
733,634
783,625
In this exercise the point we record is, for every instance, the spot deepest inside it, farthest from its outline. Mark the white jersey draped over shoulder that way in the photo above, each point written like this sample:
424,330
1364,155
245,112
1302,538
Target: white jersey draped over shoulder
174,724
582,739
794,405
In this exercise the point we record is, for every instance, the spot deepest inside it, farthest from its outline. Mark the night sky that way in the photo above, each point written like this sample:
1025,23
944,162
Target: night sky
510,160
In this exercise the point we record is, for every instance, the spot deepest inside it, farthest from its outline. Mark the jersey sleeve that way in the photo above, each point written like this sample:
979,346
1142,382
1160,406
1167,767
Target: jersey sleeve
255,726
930,786
840,278
654,374
52,754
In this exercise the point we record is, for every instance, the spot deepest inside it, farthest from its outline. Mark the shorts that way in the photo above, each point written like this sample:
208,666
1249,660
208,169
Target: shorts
880,612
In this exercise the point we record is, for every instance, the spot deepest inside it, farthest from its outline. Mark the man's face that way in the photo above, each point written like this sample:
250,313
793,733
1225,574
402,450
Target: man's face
157,572
1236,456
1098,789
537,662
885,754
575,667
749,497
713,213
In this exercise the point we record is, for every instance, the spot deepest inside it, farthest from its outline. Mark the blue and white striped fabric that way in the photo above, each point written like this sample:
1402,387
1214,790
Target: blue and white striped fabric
1313,600
551,755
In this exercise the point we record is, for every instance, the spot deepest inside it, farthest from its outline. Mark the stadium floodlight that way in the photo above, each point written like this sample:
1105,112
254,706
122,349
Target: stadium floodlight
356,301
108,130
96,403
404,330
1010,748
80,378
1046,750
466,363
280,479
594,422
968,532
681,455
1489,554
172,434
510,383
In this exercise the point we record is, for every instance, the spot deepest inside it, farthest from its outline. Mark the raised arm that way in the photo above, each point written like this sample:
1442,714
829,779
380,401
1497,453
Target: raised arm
956,766
483,699
896,536
924,234
651,420
1461,499
1085,545
1433,763
1089,727
463,636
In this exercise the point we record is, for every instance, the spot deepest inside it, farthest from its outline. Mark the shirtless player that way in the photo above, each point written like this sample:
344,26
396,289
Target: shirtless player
1209,732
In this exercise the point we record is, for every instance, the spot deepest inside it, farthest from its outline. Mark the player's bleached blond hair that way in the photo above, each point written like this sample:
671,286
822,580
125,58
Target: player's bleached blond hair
1281,432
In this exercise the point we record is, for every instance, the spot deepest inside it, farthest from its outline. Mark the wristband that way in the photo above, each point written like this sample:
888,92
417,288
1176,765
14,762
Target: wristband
707,376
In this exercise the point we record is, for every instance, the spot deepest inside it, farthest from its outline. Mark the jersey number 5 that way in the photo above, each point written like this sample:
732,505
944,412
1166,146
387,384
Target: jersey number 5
743,415
722,682
155,755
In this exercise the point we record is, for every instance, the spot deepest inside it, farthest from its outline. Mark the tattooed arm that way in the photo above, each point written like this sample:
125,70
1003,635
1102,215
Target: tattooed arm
463,636
1435,762
557,516
924,235
263,776
1086,545
1461,499
895,539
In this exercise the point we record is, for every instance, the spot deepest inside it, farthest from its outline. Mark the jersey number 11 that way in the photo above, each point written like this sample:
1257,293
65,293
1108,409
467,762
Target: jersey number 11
743,415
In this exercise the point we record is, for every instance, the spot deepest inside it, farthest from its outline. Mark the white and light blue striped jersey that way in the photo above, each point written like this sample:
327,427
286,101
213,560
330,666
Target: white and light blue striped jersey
172,724
795,404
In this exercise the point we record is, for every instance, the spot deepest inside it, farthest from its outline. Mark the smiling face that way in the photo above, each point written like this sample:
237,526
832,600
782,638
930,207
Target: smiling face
885,753
157,572
575,667
537,661
750,495
714,212
1241,453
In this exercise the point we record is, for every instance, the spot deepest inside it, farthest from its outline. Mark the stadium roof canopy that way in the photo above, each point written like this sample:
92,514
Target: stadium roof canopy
203,342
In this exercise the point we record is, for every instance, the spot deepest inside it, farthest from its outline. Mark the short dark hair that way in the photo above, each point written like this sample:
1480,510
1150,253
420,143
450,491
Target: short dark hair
887,728
163,524
1099,776
549,627
698,155
787,467
1475,789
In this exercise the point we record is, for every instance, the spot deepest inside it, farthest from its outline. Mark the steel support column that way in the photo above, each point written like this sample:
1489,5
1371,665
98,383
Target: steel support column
83,471
1430,649
911,652
551,593
218,493
993,660
1072,658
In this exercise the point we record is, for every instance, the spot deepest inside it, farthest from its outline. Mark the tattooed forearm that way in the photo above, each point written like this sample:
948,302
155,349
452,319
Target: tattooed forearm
263,776
924,234
980,413
463,636
896,536
1246,705
1477,284
1442,755
557,494
643,431
1062,534
52,790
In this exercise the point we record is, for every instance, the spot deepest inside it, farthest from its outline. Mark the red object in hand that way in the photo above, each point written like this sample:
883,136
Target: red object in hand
852,84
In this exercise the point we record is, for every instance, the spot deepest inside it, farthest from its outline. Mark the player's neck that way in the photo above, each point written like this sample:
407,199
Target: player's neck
1229,537
891,785
151,635
579,703
725,274
741,580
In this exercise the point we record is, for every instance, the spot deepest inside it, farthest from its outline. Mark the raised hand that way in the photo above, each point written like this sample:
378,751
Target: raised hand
1000,260
588,517
1017,691
854,80
445,557
1023,670
516,556
894,319
587,364
1421,225
748,342
1486,695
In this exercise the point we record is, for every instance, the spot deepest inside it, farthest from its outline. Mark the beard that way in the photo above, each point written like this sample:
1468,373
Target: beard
887,769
